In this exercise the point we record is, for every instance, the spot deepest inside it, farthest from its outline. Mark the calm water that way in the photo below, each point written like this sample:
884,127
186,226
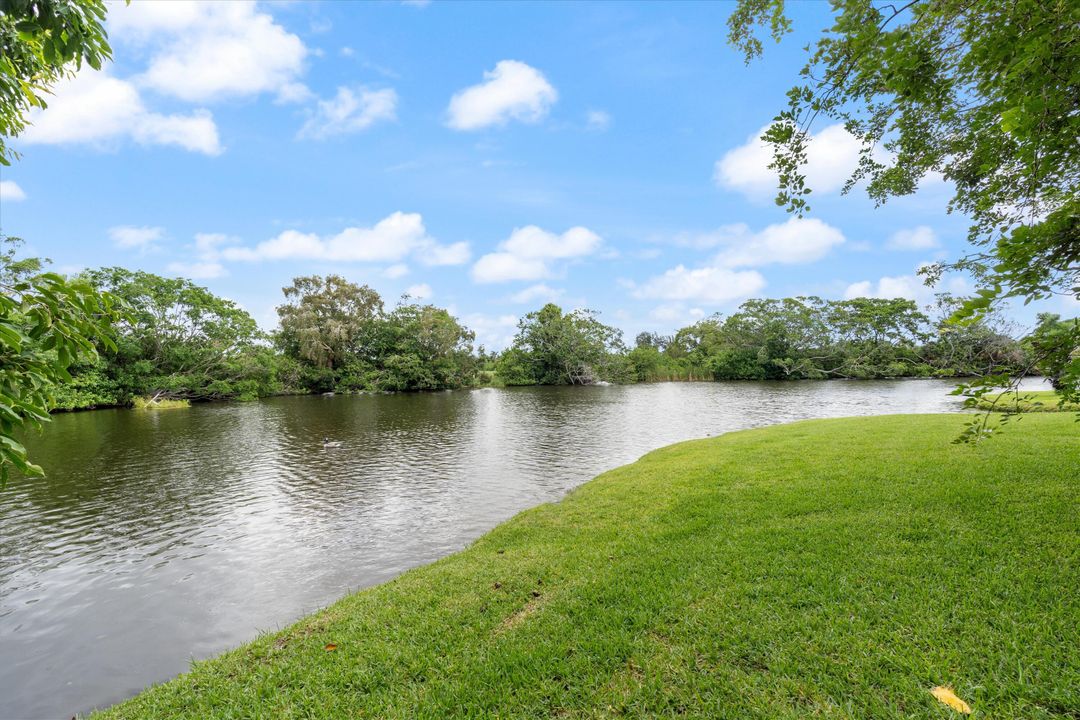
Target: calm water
164,536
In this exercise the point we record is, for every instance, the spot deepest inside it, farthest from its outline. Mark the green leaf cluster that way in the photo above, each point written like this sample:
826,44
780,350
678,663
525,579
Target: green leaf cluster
42,41
46,325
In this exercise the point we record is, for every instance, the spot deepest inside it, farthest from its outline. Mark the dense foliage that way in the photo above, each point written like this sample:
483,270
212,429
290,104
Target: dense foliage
811,338
556,348
45,320
45,323
179,341
984,93
336,335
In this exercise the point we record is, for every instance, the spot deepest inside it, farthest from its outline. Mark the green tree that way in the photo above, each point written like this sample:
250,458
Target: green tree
422,347
572,348
981,346
42,41
877,337
180,340
986,94
1055,348
329,322
46,323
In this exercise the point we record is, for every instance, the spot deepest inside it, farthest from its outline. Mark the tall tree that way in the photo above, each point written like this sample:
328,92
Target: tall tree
328,321
984,93
178,339
559,348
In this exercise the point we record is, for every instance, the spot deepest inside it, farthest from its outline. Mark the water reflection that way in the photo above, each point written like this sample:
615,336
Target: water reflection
162,536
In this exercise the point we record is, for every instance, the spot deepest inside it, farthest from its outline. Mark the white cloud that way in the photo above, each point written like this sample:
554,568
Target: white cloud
919,238
493,332
392,239
350,111
536,294
421,291
512,91
675,314
396,271
831,155
794,242
504,267
129,236
528,252
598,120
911,287
205,51
10,191
98,109
296,92
454,254
208,250
198,270
706,284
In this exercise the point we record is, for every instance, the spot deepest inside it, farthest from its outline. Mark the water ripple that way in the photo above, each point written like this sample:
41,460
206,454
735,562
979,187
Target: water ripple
162,536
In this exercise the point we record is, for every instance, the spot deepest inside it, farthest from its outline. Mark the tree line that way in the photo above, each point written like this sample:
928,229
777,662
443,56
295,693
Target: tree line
173,339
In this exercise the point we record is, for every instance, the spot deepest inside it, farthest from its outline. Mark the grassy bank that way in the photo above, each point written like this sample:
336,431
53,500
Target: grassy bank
1027,401
837,568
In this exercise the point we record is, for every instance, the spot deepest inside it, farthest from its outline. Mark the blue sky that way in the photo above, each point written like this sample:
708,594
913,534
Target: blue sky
485,157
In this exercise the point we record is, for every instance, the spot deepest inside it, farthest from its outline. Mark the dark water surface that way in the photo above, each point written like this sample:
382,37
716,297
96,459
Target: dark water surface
161,536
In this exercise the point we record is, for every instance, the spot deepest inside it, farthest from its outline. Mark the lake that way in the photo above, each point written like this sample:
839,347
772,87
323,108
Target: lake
162,536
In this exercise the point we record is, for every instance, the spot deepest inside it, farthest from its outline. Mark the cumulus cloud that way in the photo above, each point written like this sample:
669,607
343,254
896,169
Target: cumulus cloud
831,155
794,242
11,192
396,271
705,284
350,111
512,91
420,291
536,294
204,51
392,239
98,109
529,251
911,287
919,238
132,237
453,254
504,267
494,332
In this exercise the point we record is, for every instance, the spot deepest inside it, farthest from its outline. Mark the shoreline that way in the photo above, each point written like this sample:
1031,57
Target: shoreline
65,411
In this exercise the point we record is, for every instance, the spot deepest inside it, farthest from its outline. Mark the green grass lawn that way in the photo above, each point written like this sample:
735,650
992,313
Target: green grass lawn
1027,401
833,568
